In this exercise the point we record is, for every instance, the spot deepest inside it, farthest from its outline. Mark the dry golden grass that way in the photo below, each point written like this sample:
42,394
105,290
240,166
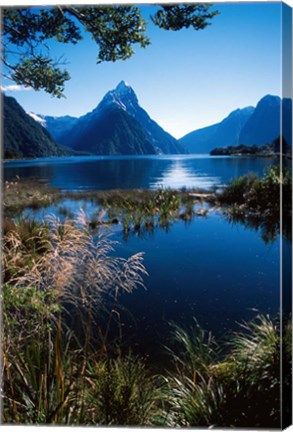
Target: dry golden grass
47,266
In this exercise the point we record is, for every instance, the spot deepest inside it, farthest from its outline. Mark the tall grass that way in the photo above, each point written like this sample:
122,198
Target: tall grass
57,374
255,202
239,388
123,392
256,193
43,362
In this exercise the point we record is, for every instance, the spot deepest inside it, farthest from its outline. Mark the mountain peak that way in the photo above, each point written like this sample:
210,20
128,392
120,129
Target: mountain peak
123,97
118,125
269,100
123,90
122,86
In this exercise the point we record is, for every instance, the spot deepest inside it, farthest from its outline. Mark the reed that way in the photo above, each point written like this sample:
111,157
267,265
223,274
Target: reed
44,364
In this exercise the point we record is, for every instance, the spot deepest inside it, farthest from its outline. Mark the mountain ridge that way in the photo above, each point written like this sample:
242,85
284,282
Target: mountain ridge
23,136
254,126
223,133
122,98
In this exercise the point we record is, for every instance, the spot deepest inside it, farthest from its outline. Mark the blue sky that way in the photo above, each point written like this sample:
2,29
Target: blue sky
185,80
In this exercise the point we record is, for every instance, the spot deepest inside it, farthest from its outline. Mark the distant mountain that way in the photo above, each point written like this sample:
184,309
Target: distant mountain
264,124
287,120
118,125
23,137
57,126
225,133
247,126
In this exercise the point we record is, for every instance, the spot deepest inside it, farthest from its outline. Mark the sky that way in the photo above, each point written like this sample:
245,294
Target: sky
185,80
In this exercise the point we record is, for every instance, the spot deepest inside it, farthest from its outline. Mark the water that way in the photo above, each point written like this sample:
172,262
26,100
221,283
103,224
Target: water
134,172
208,268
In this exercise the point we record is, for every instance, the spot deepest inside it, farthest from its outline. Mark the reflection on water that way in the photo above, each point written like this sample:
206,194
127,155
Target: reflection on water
218,272
181,174
135,172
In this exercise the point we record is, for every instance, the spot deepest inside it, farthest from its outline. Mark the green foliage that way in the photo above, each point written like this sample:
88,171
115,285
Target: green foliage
195,350
40,73
123,393
33,383
256,202
240,389
43,376
176,17
243,150
256,192
115,29
143,210
23,136
237,188
49,379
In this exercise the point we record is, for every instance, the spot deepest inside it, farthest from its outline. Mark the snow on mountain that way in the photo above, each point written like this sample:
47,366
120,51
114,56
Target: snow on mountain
38,118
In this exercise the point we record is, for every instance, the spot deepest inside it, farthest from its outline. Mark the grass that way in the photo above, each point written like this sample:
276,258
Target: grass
255,202
250,200
239,387
257,194
141,211
50,376
27,193
74,267
138,211
58,373
123,392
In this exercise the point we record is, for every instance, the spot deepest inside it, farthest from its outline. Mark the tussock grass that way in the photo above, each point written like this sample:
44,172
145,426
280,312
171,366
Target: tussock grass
123,392
255,202
240,388
43,363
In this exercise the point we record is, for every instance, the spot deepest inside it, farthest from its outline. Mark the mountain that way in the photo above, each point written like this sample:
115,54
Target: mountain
263,127
248,126
225,133
119,121
57,126
114,132
24,137
287,120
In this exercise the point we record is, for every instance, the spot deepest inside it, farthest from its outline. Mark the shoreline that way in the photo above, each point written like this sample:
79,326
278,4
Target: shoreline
238,155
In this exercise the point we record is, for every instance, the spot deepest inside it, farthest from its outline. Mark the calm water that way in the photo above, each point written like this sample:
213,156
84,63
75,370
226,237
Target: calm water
210,269
218,272
127,172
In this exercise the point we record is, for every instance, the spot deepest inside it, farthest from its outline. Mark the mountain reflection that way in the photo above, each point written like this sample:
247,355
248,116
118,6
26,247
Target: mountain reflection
132,172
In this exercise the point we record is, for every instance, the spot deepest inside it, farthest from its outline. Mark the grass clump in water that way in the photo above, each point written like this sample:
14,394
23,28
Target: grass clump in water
255,202
27,193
